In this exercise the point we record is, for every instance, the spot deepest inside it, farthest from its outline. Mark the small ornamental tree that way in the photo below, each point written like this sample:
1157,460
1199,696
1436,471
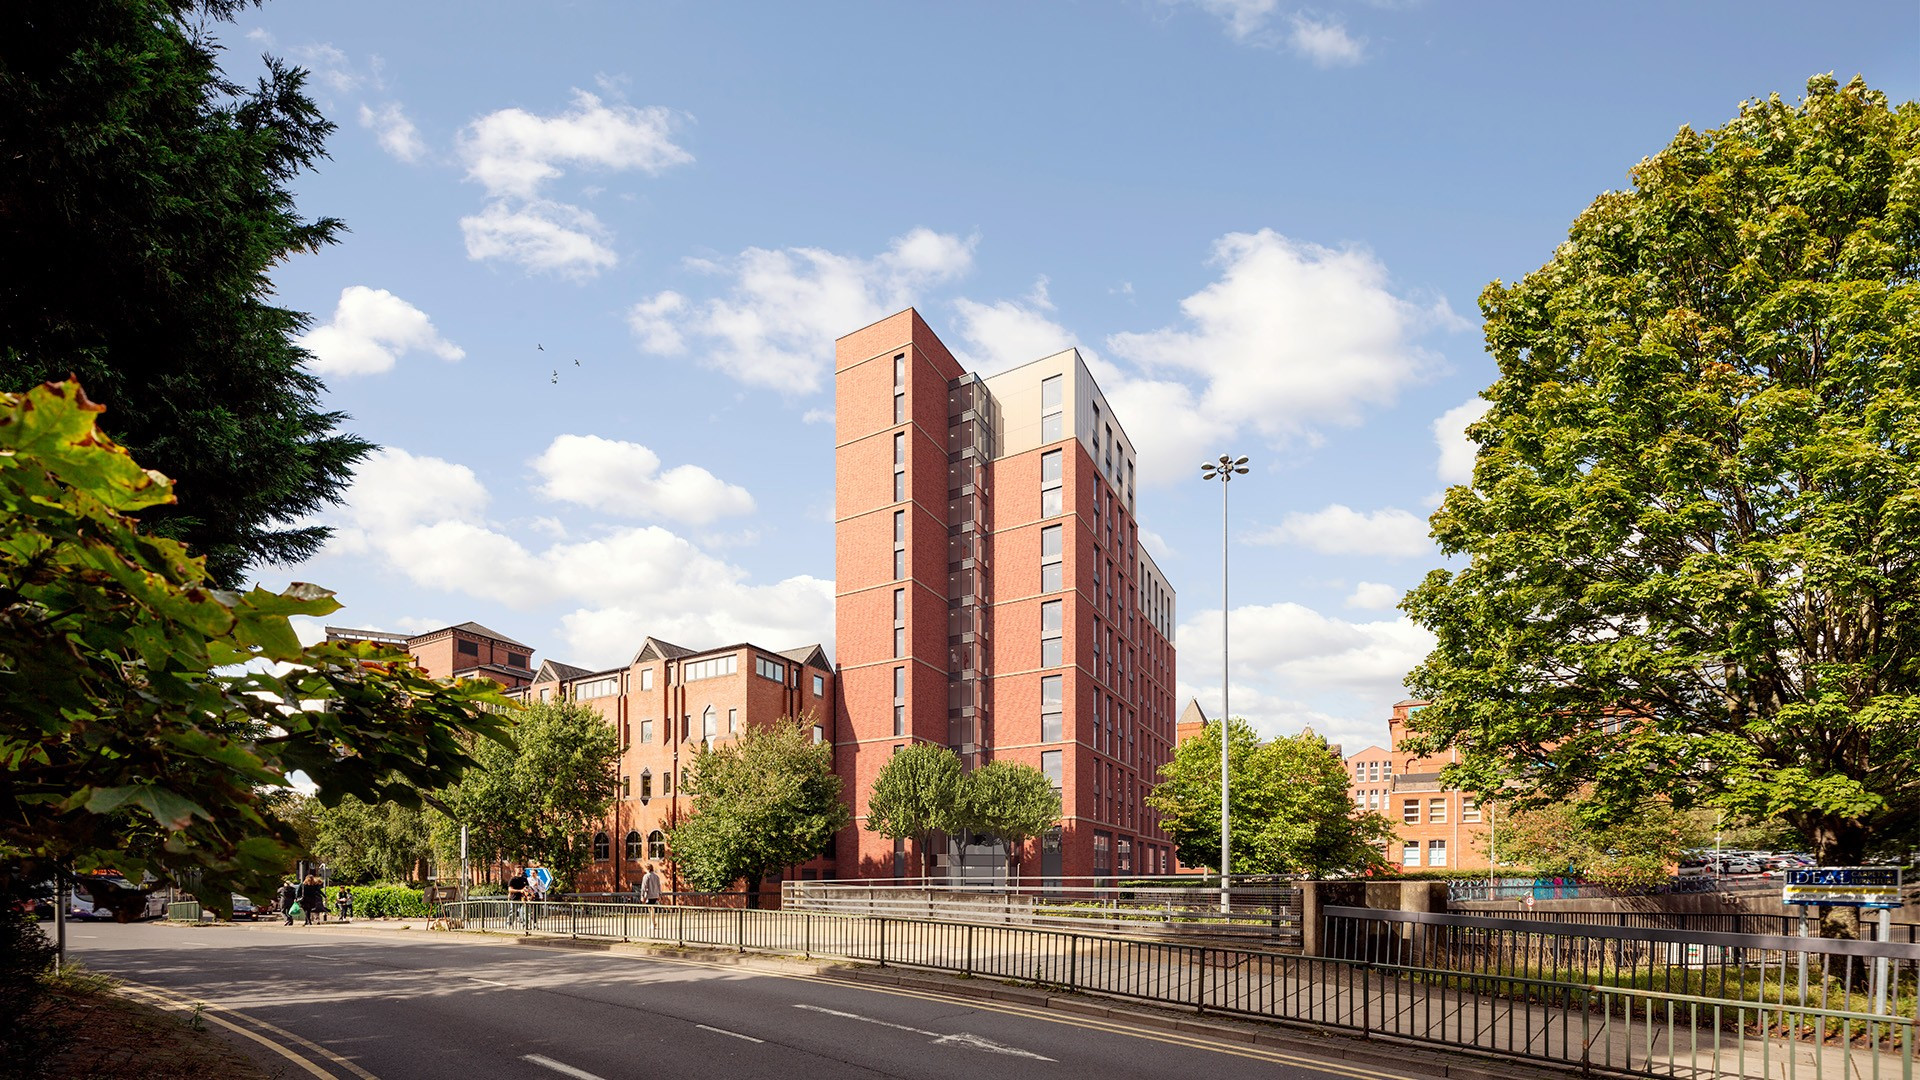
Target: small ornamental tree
762,802
533,799
1635,851
1688,564
915,795
1291,812
1009,801
149,717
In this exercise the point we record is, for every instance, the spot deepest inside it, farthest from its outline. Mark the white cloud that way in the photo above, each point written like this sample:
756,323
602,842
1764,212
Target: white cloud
624,478
424,518
1293,337
1324,41
543,236
512,152
396,133
369,331
1373,596
394,492
817,416
1285,654
1457,452
784,308
335,70
1246,20
1007,334
1342,530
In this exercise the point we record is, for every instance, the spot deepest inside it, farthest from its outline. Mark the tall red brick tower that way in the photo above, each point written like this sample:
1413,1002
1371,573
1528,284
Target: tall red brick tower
993,596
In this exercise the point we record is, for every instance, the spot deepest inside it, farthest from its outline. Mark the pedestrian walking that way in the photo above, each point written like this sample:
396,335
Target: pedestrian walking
517,892
289,896
346,903
650,886
312,897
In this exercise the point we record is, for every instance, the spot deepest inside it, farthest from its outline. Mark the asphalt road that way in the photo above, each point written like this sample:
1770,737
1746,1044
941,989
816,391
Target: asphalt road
360,1004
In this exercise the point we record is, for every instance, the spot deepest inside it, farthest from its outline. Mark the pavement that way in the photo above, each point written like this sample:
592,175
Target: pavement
390,1001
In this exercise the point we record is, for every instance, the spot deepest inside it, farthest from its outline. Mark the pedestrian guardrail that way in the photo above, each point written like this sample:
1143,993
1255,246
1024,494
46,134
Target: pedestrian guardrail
1500,1002
184,911
1261,912
1464,889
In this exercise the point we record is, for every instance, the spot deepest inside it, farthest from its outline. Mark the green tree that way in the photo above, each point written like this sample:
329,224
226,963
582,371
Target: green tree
767,800
535,798
364,843
149,717
1631,851
145,199
915,795
1291,812
1692,541
1008,801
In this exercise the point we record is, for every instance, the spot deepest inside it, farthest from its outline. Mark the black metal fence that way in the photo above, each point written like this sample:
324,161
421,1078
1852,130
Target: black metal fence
1536,991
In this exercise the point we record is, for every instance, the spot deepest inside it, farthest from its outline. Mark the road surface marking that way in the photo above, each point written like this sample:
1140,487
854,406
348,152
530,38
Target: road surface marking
210,1012
724,1031
963,1039
1052,1016
560,1067
490,982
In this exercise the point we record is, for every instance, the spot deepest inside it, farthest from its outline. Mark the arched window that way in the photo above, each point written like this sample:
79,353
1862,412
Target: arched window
656,845
633,844
602,847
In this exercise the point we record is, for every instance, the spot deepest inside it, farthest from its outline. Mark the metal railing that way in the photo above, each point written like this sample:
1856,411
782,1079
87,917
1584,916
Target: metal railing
1501,1003
1465,889
184,911
1726,922
1264,911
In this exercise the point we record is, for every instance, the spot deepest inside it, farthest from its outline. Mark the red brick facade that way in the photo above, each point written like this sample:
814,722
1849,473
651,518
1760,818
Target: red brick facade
1438,827
947,540
665,703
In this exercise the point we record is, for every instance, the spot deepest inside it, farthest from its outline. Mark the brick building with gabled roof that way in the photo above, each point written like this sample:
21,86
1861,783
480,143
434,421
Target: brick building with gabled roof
667,702
466,650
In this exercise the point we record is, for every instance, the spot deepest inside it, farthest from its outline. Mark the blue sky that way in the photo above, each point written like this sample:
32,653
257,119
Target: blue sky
1265,224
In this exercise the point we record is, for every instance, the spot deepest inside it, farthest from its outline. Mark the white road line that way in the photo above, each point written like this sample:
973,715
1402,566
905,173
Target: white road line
560,1067
490,982
724,1031
962,1039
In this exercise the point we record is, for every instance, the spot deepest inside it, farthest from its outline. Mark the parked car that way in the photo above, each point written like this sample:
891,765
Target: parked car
242,907
1739,864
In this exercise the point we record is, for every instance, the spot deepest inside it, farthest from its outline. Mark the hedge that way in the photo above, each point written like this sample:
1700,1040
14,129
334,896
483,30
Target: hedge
385,902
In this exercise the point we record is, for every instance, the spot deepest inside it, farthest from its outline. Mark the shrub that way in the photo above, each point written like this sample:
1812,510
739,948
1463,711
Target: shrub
386,902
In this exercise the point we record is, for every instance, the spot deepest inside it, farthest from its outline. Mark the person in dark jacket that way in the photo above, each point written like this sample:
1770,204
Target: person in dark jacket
289,895
312,897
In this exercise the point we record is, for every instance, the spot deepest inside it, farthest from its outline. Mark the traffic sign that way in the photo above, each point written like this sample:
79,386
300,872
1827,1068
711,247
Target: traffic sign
541,877
1844,886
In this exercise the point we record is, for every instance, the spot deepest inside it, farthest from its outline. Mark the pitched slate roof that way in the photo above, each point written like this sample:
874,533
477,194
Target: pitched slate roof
476,628
660,650
808,656
555,671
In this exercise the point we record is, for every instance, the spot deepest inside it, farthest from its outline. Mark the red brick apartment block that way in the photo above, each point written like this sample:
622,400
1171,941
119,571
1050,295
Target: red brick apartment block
466,651
993,597
667,702
1439,828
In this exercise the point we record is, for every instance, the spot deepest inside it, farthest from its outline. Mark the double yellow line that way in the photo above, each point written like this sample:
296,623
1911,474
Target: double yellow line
287,1040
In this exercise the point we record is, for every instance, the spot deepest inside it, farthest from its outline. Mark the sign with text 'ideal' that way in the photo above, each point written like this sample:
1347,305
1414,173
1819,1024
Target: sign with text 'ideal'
1844,886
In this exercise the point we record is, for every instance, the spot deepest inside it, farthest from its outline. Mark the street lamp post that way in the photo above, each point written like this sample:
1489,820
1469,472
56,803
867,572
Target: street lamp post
1224,470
